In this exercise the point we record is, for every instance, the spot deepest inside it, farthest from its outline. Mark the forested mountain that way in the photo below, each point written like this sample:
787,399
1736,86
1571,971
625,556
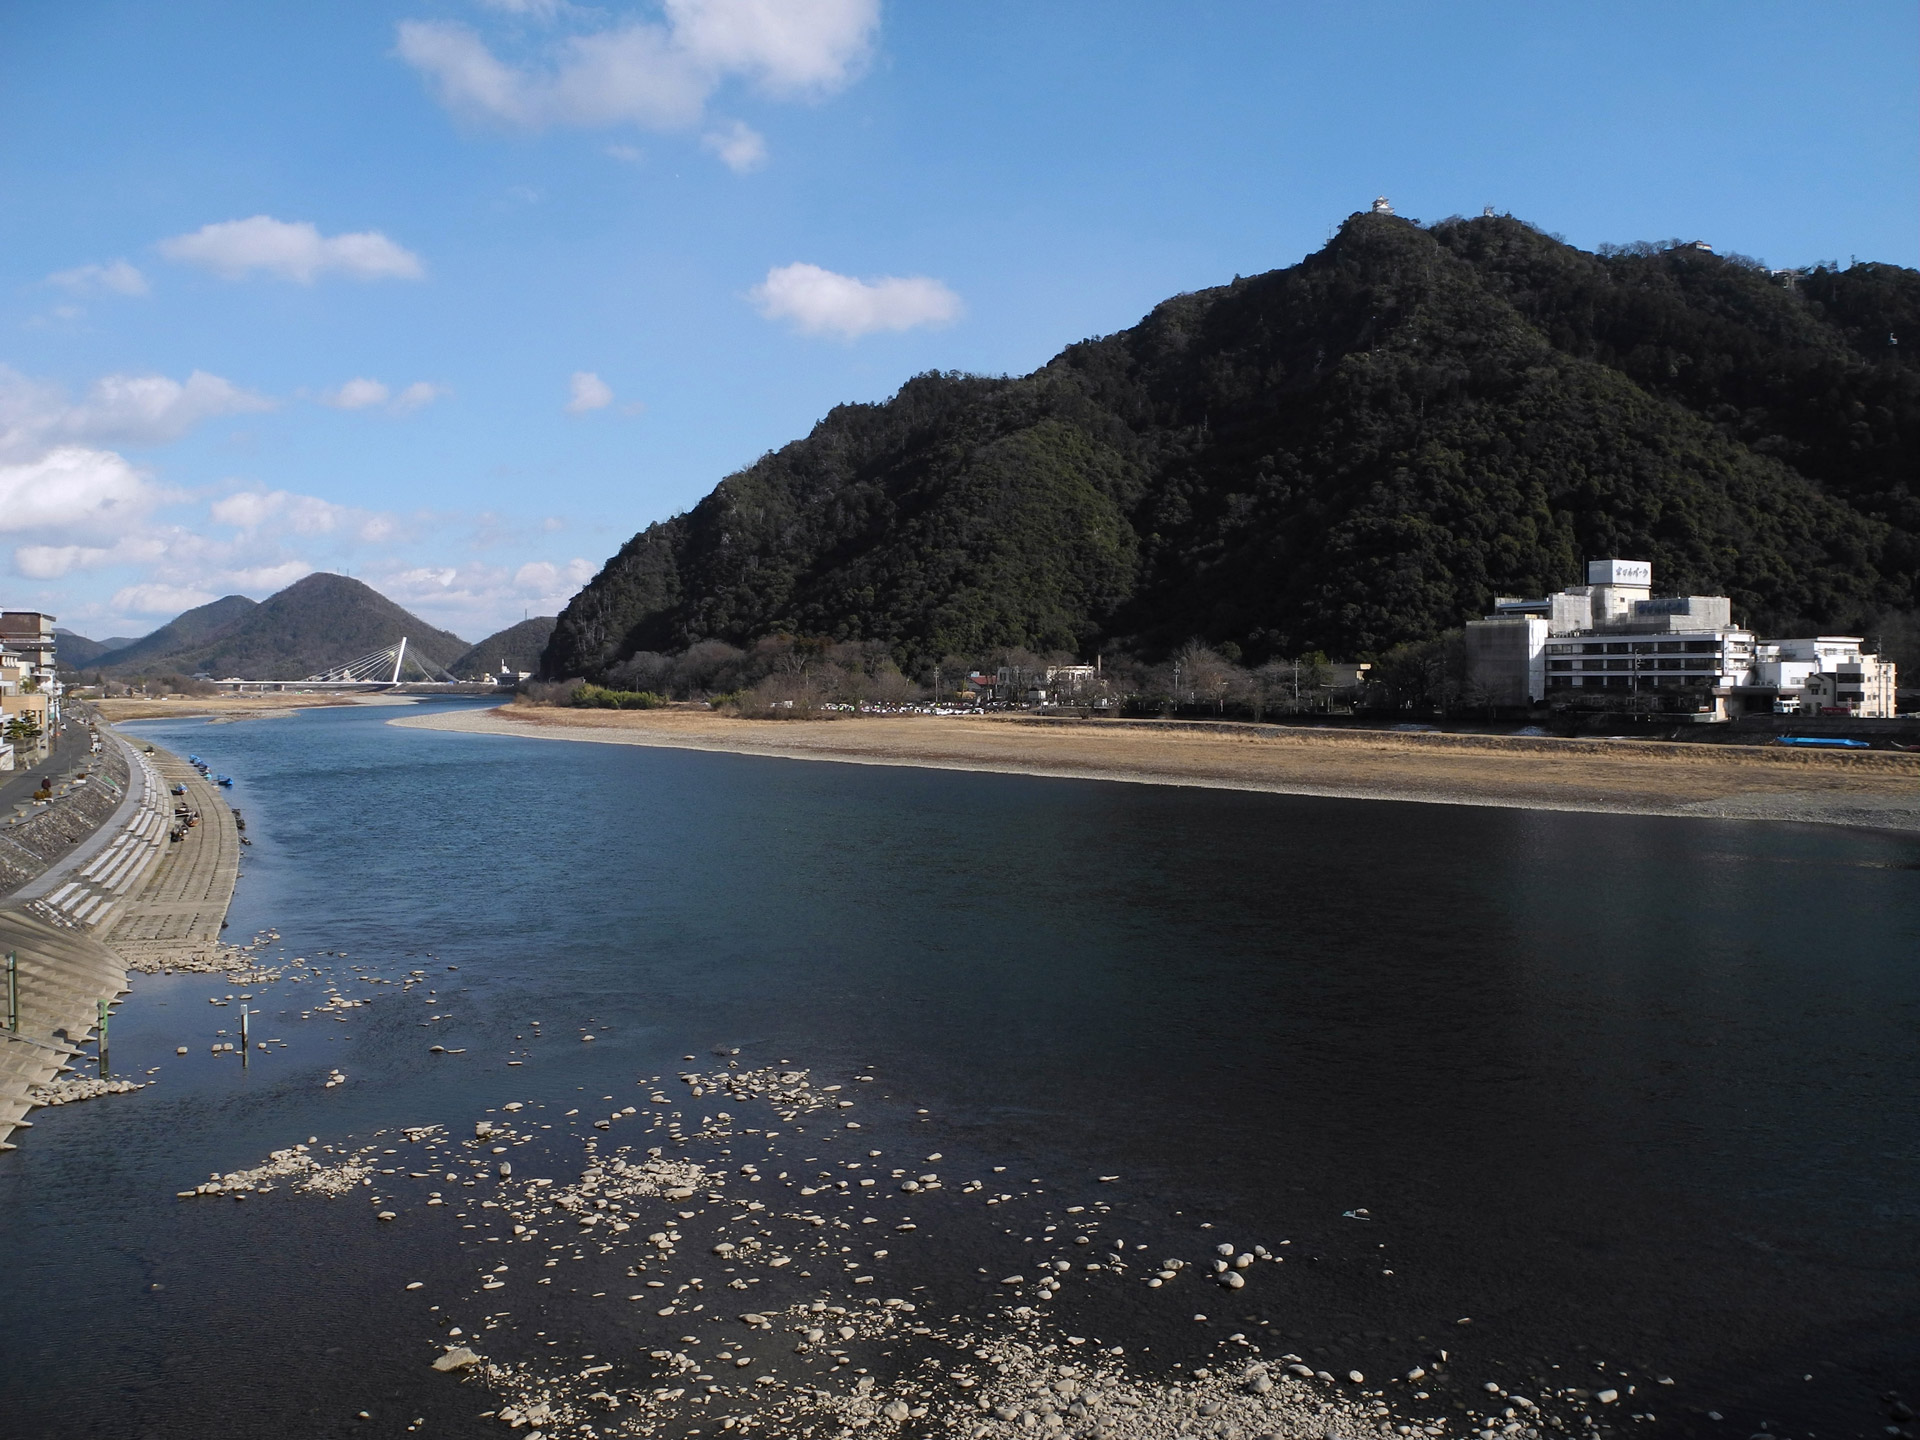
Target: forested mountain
186,630
315,623
77,650
1358,450
517,647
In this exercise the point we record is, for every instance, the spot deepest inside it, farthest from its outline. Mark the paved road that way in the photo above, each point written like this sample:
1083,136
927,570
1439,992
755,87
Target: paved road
71,742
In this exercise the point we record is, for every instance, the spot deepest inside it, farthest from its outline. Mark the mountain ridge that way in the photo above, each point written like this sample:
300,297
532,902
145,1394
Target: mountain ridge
518,647
1357,450
320,621
187,629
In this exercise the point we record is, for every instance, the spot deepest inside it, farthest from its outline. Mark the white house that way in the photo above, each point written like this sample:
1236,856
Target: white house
1828,674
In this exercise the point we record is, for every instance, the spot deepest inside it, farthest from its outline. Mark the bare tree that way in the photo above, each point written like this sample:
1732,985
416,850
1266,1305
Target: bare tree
1205,675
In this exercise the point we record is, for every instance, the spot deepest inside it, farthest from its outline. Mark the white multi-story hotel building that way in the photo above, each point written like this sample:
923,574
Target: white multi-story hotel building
1681,652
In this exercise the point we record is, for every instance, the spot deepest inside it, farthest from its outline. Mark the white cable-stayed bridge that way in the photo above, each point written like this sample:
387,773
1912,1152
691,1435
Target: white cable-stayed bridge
386,669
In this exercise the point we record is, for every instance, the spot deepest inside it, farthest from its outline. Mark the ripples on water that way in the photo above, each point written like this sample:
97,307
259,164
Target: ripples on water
1623,1090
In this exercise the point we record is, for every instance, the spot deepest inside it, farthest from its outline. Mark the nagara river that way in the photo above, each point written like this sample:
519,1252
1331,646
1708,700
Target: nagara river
1634,1098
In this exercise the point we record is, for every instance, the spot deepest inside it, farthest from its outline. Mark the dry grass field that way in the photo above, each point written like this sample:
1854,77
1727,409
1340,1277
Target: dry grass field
1631,776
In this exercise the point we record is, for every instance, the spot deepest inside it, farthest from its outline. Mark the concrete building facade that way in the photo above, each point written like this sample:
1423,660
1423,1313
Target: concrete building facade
1829,675
1681,654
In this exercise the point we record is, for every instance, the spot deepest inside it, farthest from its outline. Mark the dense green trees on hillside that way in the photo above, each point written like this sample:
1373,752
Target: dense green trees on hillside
1353,453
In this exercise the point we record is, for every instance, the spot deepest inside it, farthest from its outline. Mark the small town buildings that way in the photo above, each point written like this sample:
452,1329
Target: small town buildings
34,706
27,663
17,674
1828,675
1612,641
29,633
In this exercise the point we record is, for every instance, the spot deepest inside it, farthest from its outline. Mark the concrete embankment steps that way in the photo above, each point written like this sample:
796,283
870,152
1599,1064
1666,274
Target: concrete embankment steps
63,977
138,898
180,905
92,894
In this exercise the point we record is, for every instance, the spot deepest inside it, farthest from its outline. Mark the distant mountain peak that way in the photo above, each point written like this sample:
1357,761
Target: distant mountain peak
319,621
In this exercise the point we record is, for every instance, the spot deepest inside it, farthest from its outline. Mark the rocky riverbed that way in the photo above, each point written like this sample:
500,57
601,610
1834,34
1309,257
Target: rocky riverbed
69,1092
241,963
771,1250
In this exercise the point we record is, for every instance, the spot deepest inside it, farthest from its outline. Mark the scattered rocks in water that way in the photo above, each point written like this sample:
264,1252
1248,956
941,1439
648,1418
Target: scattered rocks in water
71,1092
238,963
717,1224
297,1165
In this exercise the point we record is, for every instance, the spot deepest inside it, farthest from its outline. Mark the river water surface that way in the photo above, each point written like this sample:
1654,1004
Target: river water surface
1634,1097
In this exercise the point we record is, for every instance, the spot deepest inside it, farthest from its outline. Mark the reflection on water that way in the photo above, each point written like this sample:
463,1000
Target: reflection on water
1617,1088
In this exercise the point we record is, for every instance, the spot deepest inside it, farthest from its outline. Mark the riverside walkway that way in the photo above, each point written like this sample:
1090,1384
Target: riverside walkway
176,917
126,898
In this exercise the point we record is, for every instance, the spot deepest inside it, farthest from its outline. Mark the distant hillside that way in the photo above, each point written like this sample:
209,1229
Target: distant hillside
77,650
1362,449
518,646
182,633
313,624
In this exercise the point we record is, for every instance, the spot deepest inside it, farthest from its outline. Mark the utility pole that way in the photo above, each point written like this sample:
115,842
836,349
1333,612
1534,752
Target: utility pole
13,992
103,1037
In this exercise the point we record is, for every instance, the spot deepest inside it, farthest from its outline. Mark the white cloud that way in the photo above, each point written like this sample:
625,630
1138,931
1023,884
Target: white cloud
473,599
589,392
152,409
265,579
740,147
75,488
116,276
357,394
819,302
541,577
792,47
627,154
417,396
362,393
160,599
292,250
118,409
281,512
658,76
50,562
626,76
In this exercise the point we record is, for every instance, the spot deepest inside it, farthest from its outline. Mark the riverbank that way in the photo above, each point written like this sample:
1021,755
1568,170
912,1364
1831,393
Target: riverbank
232,707
122,897
1627,777
174,920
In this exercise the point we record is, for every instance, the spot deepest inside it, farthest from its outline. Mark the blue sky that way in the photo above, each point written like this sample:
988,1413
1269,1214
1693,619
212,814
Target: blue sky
455,296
